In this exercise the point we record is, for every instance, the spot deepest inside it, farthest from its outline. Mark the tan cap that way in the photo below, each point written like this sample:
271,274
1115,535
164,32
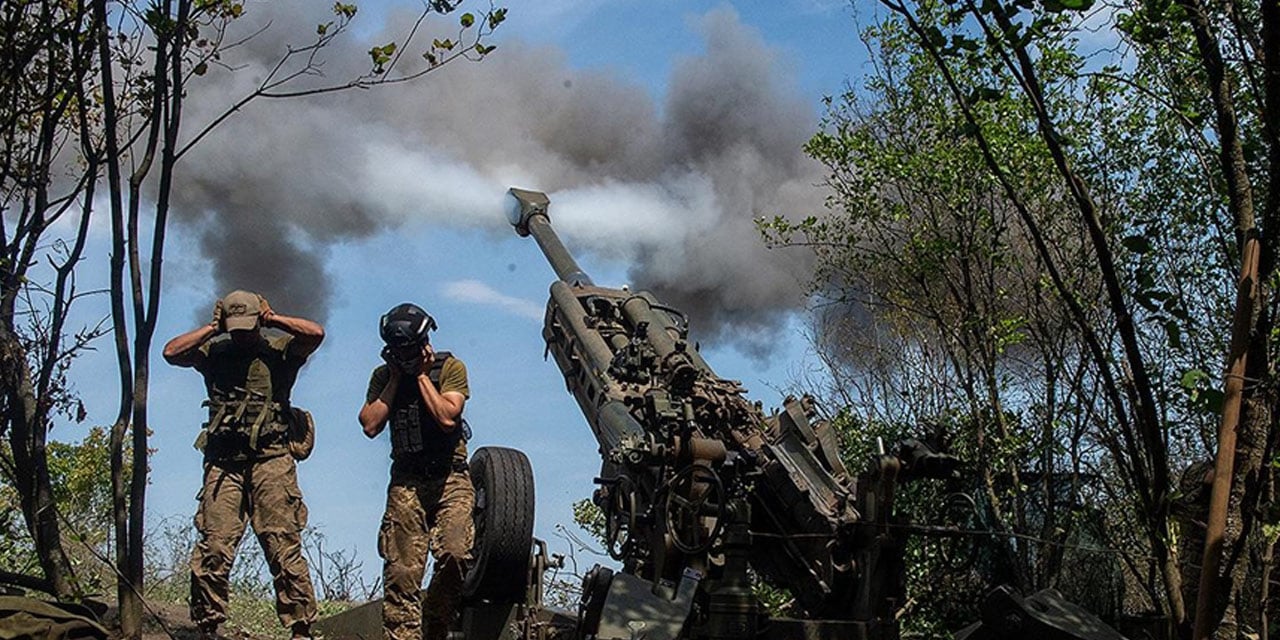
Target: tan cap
240,310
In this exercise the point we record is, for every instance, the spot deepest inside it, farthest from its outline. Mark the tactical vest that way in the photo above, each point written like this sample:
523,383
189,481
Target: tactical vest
248,400
415,437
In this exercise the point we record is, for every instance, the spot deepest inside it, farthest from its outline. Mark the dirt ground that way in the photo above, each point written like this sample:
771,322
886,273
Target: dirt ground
165,621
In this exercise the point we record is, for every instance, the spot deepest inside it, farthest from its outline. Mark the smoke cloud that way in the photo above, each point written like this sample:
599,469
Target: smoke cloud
672,188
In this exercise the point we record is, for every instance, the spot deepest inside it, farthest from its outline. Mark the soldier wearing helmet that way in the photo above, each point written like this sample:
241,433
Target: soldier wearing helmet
249,474
421,393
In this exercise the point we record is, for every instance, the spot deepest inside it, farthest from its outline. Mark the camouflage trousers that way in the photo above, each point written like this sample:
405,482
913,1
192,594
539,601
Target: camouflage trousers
264,493
424,515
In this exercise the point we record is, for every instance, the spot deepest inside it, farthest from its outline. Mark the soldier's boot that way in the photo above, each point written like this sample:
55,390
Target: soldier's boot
444,594
207,631
301,630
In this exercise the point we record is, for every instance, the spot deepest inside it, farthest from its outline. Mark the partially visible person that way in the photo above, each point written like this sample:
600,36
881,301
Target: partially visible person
421,393
249,475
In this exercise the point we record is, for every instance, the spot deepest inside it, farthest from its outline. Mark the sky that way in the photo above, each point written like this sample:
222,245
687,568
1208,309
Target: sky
660,128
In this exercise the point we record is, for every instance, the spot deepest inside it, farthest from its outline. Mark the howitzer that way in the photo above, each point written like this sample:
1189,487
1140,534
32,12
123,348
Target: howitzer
701,490
703,494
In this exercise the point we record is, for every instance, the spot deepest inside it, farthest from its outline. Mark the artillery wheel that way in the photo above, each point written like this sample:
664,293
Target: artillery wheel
503,516
961,515
694,495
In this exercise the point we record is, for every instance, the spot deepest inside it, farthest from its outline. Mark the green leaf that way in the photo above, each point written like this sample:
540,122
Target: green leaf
159,22
935,36
382,55
961,42
496,17
985,94
1212,400
467,20
1137,244
1191,379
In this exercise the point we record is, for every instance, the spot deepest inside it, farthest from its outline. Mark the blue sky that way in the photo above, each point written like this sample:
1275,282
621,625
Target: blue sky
485,286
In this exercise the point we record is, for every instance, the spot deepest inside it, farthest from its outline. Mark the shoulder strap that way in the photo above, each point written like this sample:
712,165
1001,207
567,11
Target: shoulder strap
437,366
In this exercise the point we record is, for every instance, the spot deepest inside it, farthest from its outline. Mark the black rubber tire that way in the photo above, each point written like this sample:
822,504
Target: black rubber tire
503,479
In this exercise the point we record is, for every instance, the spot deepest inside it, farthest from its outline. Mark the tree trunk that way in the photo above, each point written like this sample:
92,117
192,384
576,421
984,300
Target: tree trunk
27,441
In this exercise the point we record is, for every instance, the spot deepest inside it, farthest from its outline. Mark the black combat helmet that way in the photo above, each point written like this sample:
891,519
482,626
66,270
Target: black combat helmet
406,324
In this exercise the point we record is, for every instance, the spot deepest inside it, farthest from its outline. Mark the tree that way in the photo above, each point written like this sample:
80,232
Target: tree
93,100
46,121
81,480
933,313
1101,218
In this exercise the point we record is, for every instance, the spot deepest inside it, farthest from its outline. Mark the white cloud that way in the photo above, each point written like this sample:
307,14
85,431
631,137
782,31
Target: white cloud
477,292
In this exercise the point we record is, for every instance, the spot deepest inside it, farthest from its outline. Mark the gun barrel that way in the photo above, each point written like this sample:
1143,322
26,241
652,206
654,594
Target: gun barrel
527,212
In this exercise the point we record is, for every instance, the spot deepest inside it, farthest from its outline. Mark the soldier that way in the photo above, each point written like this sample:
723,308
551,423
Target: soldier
249,474
430,497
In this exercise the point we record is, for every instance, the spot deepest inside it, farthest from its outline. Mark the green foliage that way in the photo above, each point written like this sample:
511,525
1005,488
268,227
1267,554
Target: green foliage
588,516
935,308
496,17
16,552
81,478
227,9
777,601
344,10
381,56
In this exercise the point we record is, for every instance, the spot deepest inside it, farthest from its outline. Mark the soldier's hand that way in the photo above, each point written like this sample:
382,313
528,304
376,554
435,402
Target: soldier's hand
264,309
389,357
428,359
218,315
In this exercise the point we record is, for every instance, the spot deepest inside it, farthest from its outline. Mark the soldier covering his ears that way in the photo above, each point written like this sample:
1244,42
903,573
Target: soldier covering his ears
249,474
421,393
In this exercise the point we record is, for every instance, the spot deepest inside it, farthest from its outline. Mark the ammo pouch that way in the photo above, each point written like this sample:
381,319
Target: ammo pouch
241,424
408,438
302,433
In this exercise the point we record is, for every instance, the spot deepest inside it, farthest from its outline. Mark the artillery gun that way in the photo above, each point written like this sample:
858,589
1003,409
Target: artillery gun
702,492
704,496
